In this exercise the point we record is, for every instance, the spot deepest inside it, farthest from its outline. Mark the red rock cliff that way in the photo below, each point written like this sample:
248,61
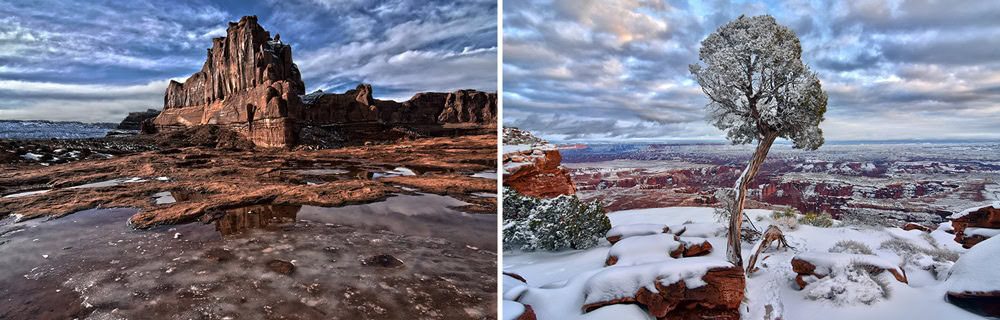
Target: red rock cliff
250,85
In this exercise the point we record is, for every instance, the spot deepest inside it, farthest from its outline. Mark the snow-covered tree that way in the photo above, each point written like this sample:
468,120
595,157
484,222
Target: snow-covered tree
758,90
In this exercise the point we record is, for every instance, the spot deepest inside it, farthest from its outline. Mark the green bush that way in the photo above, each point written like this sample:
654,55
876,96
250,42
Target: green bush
550,224
824,220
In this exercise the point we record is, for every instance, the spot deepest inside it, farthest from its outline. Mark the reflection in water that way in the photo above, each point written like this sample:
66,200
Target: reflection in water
255,217
424,215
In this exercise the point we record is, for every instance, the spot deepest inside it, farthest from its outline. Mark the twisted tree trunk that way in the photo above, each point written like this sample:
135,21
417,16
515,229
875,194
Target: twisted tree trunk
733,249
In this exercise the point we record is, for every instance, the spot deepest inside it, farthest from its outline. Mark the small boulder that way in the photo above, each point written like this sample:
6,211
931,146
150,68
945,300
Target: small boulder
383,261
282,267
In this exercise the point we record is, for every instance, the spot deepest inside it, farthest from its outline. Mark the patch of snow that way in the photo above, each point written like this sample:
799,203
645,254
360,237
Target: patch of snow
638,229
512,310
644,249
983,232
976,270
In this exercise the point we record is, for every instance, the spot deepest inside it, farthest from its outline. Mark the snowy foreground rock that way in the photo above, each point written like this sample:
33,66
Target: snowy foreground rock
974,283
577,284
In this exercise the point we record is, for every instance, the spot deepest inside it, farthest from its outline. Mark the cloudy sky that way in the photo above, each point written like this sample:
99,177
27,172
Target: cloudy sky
603,70
94,61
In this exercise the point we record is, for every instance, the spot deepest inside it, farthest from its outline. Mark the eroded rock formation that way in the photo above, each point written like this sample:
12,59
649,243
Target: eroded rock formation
534,169
975,225
250,84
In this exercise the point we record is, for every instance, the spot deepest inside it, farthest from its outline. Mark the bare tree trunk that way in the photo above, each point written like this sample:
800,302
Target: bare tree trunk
733,248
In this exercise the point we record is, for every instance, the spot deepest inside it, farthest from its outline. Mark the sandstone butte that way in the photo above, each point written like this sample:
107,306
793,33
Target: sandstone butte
249,84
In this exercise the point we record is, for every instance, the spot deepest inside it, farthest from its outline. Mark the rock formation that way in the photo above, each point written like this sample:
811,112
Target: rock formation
250,84
134,119
534,169
977,224
719,298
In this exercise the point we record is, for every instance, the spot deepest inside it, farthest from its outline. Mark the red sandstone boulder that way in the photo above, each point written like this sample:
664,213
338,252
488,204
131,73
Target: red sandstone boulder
540,175
718,298
914,226
975,225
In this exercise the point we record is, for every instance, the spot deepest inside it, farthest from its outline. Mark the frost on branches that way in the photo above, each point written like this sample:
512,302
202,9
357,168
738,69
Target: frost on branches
758,90
550,224
756,83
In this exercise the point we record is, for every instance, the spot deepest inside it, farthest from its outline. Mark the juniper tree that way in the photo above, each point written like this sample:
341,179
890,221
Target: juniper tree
758,90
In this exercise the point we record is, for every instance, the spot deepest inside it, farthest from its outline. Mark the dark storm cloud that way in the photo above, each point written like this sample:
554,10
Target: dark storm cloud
625,62
96,60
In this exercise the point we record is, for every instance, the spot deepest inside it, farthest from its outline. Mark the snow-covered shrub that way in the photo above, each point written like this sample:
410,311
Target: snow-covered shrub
824,220
786,213
787,224
850,286
937,261
550,224
851,246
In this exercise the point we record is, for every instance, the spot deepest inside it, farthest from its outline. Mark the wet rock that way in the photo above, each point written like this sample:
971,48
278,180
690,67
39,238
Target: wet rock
220,255
383,261
282,267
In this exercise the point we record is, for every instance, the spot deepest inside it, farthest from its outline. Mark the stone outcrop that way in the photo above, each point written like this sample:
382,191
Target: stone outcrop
134,119
719,298
975,225
250,84
537,170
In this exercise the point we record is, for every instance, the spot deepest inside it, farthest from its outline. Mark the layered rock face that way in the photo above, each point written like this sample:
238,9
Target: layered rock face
533,166
250,85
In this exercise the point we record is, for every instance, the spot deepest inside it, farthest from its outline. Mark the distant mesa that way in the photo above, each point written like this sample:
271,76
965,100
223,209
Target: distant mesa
134,119
250,85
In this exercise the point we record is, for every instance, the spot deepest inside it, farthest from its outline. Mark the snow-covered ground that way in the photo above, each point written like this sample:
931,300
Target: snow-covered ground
557,280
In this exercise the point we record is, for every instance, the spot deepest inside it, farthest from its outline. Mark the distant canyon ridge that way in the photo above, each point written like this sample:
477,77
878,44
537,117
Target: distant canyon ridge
249,84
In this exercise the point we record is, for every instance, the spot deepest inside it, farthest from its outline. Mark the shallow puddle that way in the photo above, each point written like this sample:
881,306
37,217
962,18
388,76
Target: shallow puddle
26,193
168,197
109,183
407,257
486,174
